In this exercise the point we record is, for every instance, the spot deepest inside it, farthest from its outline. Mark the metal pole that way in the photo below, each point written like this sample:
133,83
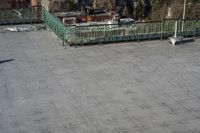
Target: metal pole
94,4
184,8
161,37
176,24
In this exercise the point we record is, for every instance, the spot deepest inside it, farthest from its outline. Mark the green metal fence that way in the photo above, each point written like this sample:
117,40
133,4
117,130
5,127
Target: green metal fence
115,33
66,34
20,16
100,33
137,31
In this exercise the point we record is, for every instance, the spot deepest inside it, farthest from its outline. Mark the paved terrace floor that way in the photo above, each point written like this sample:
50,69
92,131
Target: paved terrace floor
147,87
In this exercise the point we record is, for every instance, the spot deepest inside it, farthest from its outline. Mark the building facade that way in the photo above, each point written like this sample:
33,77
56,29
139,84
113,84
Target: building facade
6,4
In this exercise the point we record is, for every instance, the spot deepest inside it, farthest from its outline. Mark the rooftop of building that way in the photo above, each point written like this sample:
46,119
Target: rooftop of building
146,87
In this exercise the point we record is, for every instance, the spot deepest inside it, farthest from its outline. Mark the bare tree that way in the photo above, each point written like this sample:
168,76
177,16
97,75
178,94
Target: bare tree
192,9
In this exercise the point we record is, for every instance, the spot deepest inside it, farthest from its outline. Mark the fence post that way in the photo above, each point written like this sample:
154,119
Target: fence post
161,38
138,37
176,26
31,15
63,43
198,28
76,37
64,36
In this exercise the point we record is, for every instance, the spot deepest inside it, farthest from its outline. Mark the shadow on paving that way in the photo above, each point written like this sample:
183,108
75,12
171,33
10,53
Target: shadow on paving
5,61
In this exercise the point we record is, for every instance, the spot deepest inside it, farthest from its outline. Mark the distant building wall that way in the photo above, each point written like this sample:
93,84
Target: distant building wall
4,4
16,3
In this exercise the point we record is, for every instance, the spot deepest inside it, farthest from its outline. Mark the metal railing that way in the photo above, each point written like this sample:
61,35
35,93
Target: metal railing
66,34
135,32
21,16
100,33
116,33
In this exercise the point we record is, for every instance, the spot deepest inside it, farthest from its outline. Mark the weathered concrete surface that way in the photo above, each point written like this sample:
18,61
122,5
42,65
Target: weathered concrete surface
151,87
